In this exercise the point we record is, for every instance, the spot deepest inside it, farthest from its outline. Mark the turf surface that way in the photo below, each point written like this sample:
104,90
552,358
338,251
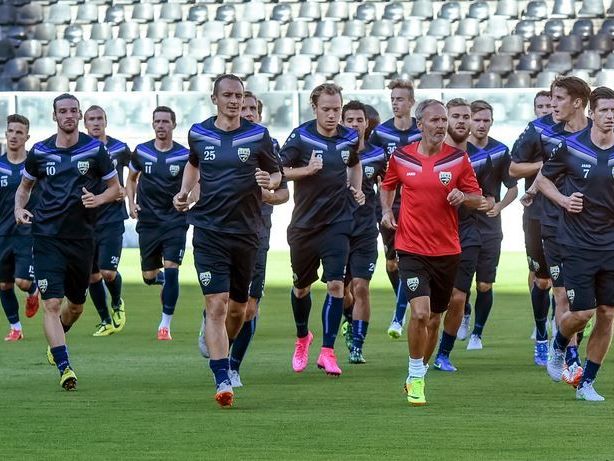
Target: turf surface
143,399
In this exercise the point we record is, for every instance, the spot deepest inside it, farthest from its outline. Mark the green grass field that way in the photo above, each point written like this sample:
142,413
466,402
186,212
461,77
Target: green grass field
143,399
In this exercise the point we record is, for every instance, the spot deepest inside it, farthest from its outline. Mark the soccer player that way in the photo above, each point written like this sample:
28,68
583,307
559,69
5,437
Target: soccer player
436,179
585,161
252,111
459,122
156,170
15,241
109,232
67,167
321,157
363,240
399,131
489,223
542,104
234,159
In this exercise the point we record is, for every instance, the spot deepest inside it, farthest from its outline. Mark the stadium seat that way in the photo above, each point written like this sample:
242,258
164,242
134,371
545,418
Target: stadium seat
394,11
298,30
471,64
326,29
282,13
115,14
170,12
312,46
29,14
144,83
607,27
519,80
397,46
442,64
605,78
185,30
59,14
87,50
479,10
201,83
258,47
269,30
242,66
439,28
383,28
564,9
115,83
501,64
186,66
570,44
101,68
341,46
15,68
285,82
483,45
455,45
271,65
143,13
214,65
450,11
309,11
354,28
258,83
609,62
431,81
512,44
115,49
583,28
545,78
242,30
58,83
172,83
610,11
45,32
129,31
86,83
373,82
228,48
213,30
43,68
589,61
72,68
143,48
497,27
507,8
8,14
87,13
560,62
411,28
346,81
554,28
29,83
199,48
592,9
489,80
525,28
255,12
198,14
530,62
16,34
226,14
385,64
172,48
601,43
422,9
357,64
536,10
157,67
299,65
157,31
460,81
328,65
414,65
58,49
130,67
313,80
73,33
29,49
426,45
366,12
6,84
540,44
101,32
468,27
338,11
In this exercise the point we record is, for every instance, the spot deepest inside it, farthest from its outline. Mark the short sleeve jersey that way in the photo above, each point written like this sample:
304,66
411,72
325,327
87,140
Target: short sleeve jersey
500,160
230,199
10,178
323,198
120,157
373,162
528,148
267,210
428,224
61,174
588,169
160,179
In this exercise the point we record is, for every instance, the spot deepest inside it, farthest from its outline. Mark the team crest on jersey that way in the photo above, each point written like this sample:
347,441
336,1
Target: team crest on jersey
571,295
445,177
555,271
83,166
345,156
413,283
205,278
369,171
42,285
174,169
243,153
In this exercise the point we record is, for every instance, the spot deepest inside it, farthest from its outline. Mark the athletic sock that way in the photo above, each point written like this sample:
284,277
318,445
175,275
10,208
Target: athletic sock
446,344
241,343
16,326
359,333
220,369
32,288
552,307
394,279
483,305
468,306
416,368
590,372
10,305
159,280
571,355
301,307
332,311
401,306
541,301
347,313
579,336
166,321
60,356
170,290
560,342
115,289
99,298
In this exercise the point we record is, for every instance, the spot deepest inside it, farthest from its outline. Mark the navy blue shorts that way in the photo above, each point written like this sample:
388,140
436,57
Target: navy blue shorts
488,259
589,277
330,244
224,262
256,289
363,256
16,258
466,268
388,241
63,267
431,276
157,243
554,256
109,244
535,247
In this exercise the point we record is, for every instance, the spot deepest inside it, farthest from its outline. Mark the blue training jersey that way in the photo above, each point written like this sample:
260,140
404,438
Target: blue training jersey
119,152
10,178
373,162
61,173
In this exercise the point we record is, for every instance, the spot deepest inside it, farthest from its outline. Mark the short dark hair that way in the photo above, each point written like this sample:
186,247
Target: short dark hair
575,87
168,110
259,105
480,104
92,108
542,93
354,105
18,118
599,93
325,88
374,119
221,78
457,102
62,97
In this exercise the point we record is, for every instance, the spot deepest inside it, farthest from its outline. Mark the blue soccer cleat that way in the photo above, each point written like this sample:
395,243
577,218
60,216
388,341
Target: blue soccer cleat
442,363
540,353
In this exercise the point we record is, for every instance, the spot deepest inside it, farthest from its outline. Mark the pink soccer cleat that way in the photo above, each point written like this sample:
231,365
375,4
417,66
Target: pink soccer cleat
328,361
300,359
14,335
164,334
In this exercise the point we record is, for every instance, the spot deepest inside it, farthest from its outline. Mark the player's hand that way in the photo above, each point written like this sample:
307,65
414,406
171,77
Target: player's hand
527,199
23,216
494,211
315,163
263,178
487,203
122,194
134,210
180,201
388,220
456,197
574,203
359,195
89,200
267,196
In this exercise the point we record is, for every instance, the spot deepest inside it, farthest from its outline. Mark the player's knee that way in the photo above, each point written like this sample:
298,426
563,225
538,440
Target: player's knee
23,285
605,314
108,276
361,289
391,265
4,286
95,278
170,265
434,321
217,307
52,306
458,298
483,287
420,315
542,284
252,309
335,288
301,292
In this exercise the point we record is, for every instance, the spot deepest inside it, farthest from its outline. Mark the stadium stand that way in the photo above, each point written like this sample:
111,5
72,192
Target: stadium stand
162,44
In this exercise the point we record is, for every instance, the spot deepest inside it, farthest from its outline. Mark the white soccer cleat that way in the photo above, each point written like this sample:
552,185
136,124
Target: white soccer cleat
235,379
587,392
463,330
475,343
202,344
395,330
556,361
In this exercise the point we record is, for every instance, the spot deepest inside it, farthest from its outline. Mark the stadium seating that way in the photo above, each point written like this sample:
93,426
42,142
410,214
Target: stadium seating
360,44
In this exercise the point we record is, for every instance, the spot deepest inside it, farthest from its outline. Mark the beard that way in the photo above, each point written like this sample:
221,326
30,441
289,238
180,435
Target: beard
458,137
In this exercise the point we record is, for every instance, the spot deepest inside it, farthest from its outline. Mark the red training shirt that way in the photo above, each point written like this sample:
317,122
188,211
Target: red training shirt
428,224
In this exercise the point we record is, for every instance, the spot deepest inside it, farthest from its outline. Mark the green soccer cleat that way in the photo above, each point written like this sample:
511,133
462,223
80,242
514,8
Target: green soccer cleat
104,329
415,391
588,329
68,380
50,358
346,330
356,356
119,316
